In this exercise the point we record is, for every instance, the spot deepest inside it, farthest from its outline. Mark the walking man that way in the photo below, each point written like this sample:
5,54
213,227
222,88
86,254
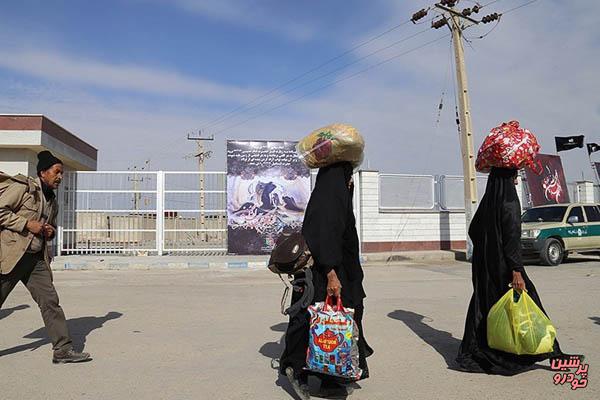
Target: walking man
28,209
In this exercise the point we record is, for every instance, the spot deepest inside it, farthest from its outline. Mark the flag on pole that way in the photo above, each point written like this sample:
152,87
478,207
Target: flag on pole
568,142
593,147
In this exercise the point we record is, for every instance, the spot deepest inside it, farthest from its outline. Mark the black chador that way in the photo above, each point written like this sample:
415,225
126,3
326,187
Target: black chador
330,231
496,235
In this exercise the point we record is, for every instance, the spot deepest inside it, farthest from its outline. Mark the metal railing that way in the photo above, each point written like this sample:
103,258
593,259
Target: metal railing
406,192
195,212
120,212
140,212
401,192
451,191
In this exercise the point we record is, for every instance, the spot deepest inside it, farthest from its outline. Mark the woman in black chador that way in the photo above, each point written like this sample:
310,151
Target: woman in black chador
330,232
497,261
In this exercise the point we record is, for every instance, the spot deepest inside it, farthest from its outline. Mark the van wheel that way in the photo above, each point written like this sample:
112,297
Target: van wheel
552,253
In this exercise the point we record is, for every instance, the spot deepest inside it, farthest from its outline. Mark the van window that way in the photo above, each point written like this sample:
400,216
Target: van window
593,214
576,212
545,214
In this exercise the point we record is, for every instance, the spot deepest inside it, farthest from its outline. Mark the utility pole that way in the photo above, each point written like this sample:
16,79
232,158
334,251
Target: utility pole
466,129
136,181
455,19
201,155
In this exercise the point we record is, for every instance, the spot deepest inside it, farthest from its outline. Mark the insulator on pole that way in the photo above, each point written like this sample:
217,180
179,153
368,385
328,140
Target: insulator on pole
419,15
448,3
489,18
439,23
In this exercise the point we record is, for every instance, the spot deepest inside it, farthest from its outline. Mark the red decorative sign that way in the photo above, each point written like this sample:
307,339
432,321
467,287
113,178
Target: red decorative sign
549,187
327,341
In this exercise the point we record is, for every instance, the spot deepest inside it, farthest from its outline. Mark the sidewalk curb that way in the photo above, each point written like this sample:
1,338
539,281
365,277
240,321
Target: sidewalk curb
123,263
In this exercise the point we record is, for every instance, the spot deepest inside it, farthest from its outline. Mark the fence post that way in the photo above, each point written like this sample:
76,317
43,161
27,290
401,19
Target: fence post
59,240
521,193
357,207
160,211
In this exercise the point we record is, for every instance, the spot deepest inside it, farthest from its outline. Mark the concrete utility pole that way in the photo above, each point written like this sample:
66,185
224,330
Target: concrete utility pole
201,155
466,129
455,23
136,181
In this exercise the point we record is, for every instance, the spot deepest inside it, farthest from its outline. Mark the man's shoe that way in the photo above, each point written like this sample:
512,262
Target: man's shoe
70,356
300,388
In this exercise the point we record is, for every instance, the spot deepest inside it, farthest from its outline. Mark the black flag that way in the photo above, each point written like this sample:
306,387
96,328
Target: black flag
593,147
568,143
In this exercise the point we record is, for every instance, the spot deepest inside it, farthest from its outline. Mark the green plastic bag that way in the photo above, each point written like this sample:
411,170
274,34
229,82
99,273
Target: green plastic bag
516,325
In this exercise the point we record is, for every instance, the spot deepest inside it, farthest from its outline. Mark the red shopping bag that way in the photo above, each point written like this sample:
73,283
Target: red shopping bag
508,146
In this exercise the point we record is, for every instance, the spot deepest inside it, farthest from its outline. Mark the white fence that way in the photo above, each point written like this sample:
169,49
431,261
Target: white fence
141,212
401,192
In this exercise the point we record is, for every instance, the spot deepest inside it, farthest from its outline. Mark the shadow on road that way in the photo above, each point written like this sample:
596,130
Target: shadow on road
79,329
272,350
442,342
7,311
596,320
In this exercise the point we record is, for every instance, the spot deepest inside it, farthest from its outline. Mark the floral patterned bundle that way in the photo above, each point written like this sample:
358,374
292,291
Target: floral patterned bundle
508,146
333,341
332,144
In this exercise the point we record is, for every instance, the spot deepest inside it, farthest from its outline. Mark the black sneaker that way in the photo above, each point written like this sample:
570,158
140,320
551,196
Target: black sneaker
70,356
300,388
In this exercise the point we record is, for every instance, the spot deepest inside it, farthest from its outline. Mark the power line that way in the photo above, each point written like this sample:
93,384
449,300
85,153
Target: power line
428,149
243,106
332,83
500,17
324,75
490,3
521,6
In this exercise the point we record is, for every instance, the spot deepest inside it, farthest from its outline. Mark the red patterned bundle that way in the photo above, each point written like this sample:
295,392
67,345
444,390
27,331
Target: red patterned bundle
508,146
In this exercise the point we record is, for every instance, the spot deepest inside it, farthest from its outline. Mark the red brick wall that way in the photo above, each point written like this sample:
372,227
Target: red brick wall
379,247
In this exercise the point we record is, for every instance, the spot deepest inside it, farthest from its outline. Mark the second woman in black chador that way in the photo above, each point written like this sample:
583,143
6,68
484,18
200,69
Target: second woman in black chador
497,261
330,231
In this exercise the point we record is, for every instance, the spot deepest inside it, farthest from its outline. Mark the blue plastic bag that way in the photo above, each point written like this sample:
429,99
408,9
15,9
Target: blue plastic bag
333,341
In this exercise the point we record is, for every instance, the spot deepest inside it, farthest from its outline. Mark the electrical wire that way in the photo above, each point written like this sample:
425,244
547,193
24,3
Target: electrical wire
331,84
518,7
293,89
430,145
318,67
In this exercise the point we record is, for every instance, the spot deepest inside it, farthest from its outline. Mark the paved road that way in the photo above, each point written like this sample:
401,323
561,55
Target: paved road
210,334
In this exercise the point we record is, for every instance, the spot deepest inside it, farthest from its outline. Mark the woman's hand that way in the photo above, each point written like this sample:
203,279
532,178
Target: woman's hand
517,282
334,287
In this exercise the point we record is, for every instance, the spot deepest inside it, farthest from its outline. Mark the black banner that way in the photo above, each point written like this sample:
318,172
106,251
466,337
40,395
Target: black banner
593,147
568,142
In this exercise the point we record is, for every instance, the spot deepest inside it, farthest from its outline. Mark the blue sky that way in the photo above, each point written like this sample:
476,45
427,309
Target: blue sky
133,77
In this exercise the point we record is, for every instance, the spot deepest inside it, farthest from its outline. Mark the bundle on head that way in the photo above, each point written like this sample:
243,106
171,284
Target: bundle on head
508,146
332,144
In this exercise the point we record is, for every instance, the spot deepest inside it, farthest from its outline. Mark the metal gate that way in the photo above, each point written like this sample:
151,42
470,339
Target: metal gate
139,212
